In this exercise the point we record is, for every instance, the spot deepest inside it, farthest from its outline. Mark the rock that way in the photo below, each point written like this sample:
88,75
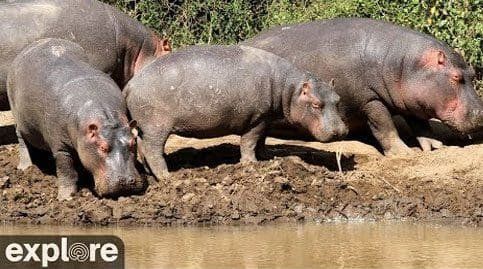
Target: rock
298,209
5,182
187,197
235,215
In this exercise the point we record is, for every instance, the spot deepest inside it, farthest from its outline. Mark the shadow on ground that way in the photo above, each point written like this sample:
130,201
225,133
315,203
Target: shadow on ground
230,154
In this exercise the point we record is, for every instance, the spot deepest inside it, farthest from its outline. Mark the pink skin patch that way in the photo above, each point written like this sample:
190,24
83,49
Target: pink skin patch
433,58
316,128
163,47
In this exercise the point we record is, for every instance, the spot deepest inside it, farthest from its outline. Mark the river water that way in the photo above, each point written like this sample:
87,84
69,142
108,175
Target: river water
329,245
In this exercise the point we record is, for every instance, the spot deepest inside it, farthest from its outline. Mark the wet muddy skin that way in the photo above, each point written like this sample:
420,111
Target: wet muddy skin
208,186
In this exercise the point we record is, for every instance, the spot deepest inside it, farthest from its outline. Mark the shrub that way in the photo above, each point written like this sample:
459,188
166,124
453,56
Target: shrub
194,22
186,22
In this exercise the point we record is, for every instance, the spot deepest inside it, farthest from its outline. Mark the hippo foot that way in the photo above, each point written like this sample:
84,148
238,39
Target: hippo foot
427,144
23,165
65,193
398,151
161,174
248,159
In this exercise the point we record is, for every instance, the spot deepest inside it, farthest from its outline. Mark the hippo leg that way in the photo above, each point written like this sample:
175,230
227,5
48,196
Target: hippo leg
66,174
261,149
249,142
152,148
384,130
24,155
424,135
4,106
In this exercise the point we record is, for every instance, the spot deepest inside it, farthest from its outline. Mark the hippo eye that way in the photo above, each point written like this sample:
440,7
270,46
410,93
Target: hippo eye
104,148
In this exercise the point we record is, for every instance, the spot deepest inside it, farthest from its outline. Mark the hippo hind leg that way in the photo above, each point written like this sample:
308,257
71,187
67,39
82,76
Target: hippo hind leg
424,135
152,148
250,143
25,161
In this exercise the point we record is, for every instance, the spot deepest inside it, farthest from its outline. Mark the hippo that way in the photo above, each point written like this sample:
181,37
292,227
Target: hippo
383,70
114,43
63,105
213,91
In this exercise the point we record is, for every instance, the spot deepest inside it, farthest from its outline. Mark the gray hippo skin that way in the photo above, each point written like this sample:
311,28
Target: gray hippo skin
383,69
212,91
115,43
63,105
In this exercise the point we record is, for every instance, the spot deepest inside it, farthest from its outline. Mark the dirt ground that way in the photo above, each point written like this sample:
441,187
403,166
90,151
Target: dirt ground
299,182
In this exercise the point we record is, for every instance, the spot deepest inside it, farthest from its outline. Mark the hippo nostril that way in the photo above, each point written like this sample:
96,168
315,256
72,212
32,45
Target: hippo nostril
128,181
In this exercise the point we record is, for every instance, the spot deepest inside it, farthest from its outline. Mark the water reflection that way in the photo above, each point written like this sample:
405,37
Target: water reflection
348,245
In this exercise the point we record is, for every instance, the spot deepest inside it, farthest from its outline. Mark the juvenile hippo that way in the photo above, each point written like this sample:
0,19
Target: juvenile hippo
63,105
212,91
114,43
382,70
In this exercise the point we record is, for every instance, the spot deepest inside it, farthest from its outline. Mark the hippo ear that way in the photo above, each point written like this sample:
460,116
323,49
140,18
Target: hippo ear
133,125
306,88
441,58
433,58
166,45
332,83
163,47
92,130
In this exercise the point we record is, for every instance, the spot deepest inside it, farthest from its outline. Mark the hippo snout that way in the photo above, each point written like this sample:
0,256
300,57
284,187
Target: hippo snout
120,185
477,119
341,131
472,122
338,132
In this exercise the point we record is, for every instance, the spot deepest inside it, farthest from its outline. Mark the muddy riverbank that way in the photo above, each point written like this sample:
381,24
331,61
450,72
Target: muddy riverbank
207,186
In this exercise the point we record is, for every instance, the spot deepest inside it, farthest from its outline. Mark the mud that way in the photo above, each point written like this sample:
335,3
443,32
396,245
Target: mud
208,186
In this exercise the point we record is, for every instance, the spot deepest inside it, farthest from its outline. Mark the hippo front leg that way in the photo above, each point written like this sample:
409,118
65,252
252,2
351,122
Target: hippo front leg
66,174
424,134
250,143
4,106
383,128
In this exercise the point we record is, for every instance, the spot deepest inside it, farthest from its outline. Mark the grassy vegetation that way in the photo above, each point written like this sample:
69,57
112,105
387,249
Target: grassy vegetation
186,22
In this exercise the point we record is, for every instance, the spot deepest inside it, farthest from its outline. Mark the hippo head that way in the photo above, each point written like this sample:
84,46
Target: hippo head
314,108
439,85
108,152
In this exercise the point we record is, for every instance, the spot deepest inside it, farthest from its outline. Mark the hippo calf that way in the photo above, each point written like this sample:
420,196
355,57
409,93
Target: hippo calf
63,105
114,43
383,69
212,91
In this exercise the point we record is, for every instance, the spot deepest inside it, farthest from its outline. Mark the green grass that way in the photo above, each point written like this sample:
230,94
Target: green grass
458,23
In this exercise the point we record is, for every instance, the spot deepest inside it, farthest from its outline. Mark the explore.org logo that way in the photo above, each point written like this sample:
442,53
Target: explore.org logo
64,252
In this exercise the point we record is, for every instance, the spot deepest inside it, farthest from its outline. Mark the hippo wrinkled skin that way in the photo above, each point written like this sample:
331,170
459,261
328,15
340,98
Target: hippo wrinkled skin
212,91
383,69
63,105
114,43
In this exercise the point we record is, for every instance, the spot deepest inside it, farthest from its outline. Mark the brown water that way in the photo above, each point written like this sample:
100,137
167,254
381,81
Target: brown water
341,245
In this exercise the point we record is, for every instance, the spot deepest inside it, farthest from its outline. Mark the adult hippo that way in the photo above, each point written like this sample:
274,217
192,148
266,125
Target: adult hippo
63,105
114,43
380,70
